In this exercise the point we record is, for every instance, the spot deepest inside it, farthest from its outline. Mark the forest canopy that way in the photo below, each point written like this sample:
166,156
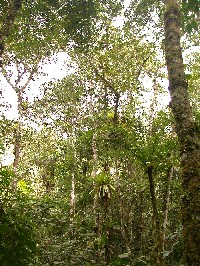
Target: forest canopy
99,133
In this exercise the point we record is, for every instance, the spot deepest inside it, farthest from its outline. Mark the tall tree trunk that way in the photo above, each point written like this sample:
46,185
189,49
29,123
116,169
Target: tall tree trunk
12,9
157,227
188,134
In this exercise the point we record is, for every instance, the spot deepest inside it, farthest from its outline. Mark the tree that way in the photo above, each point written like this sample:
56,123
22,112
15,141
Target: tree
8,21
99,176
188,133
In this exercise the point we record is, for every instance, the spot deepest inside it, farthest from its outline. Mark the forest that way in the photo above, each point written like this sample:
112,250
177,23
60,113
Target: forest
99,133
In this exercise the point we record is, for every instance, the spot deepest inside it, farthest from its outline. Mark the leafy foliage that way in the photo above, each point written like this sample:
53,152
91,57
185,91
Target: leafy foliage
190,11
80,194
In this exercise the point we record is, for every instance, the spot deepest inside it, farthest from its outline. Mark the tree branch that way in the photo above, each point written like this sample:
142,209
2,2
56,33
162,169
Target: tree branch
116,93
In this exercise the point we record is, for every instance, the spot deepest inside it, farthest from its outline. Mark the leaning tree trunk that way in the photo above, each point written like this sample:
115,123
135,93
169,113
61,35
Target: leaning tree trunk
188,134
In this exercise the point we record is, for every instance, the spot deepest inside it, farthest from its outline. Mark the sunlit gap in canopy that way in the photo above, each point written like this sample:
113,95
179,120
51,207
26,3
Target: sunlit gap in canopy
52,69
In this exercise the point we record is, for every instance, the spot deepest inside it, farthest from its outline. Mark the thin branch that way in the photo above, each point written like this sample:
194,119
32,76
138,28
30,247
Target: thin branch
7,79
106,82
29,80
19,76
115,119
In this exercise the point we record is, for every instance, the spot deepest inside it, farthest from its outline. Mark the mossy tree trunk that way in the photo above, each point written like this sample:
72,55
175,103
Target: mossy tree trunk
188,134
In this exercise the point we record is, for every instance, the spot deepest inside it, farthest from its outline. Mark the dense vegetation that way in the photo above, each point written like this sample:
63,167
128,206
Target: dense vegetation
104,169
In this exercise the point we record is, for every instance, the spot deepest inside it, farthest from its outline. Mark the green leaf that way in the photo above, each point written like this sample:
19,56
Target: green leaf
188,76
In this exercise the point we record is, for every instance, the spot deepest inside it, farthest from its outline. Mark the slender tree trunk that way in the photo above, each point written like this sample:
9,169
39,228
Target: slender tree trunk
72,206
125,233
12,9
188,134
93,174
17,133
157,227
124,230
166,202
17,137
17,141
72,200
72,197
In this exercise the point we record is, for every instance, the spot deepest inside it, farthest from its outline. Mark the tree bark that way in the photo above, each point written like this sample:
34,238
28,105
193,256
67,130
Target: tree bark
13,7
188,134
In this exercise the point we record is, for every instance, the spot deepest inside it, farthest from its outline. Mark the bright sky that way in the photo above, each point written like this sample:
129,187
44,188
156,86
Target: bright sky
54,70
